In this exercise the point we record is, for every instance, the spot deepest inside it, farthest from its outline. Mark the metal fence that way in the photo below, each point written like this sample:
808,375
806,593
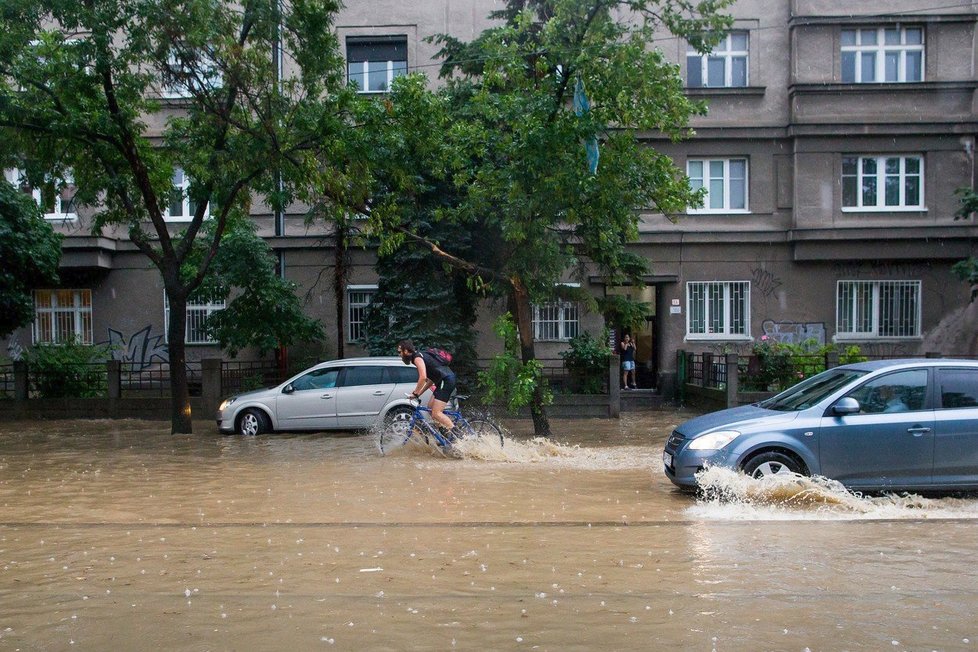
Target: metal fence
6,381
241,376
154,380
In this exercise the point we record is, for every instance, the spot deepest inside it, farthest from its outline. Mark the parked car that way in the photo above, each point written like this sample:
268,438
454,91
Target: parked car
339,394
882,425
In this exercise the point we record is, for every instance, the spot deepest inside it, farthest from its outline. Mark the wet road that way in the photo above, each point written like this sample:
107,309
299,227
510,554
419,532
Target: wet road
116,535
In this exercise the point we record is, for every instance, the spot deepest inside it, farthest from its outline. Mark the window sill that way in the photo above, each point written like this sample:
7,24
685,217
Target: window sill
61,217
876,339
719,212
718,338
726,90
884,209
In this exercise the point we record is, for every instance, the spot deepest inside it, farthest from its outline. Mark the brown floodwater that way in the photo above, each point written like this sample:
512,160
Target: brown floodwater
116,535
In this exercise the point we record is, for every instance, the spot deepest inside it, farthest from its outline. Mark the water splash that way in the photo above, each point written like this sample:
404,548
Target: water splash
730,495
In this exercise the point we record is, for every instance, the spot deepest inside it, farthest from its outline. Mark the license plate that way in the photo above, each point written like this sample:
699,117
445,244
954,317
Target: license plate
667,459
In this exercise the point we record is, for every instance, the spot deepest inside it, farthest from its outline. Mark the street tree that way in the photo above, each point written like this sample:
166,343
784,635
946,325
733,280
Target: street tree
29,255
131,97
545,142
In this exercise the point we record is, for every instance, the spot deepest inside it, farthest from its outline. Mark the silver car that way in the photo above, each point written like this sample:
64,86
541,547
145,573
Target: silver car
883,425
335,395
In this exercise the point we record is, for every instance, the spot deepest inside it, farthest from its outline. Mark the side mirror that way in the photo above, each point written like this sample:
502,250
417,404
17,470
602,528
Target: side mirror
846,405
288,389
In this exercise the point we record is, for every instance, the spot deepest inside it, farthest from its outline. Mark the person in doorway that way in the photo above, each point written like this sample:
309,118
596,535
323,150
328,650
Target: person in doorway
431,373
627,348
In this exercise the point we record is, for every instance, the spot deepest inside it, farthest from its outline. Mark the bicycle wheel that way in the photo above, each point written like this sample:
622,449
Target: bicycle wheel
485,429
395,434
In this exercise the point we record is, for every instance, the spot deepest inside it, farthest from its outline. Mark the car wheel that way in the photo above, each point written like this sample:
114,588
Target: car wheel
772,463
398,420
253,422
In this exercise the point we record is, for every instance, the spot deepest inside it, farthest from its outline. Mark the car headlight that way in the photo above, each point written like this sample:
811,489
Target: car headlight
227,403
714,440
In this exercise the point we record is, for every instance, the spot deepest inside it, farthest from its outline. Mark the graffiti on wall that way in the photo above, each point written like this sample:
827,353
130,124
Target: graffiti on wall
764,281
791,332
142,348
879,269
14,350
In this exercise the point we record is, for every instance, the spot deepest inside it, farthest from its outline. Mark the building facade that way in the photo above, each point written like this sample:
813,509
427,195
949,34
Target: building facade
835,139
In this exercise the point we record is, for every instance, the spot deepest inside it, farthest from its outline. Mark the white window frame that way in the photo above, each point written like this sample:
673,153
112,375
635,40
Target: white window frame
17,179
880,50
706,179
863,304
174,91
62,307
725,52
718,324
364,73
196,314
879,178
181,182
356,311
556,321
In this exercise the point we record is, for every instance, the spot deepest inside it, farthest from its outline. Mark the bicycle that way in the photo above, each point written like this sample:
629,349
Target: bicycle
399,431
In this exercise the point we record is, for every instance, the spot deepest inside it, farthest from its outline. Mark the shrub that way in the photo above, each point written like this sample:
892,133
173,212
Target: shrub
69,370
587,361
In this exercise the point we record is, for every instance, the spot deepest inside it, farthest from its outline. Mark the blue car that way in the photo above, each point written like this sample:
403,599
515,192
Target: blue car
887,425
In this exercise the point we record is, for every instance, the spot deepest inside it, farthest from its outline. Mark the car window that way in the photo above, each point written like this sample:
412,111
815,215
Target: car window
902,391
356,376
809,392
958,387
401,374
316,379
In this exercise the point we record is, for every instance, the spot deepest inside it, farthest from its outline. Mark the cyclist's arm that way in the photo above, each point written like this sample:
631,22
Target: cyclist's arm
424,386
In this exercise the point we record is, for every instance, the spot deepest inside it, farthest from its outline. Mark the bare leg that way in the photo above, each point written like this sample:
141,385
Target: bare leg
438,413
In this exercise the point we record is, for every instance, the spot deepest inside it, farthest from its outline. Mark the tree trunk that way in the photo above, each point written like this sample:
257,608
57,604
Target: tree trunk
340,274
181,421
524,323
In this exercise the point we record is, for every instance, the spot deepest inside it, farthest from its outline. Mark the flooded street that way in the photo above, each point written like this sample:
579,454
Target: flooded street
115,535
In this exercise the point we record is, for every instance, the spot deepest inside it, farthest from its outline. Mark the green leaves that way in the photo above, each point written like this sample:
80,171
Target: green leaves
29,254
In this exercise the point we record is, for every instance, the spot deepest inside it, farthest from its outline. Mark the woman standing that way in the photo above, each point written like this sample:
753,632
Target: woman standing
628,362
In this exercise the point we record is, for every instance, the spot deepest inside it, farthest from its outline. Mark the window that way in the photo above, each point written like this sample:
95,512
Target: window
357,376
877,309
62,316
55,196
882,182
197,313
903,391
401,375
556,322
885,54
725,181
316,379
373,63
181,208
725,67
958,388
189,71
358,300
718,310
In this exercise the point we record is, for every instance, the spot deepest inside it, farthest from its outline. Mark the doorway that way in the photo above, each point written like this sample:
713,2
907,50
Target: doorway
642,333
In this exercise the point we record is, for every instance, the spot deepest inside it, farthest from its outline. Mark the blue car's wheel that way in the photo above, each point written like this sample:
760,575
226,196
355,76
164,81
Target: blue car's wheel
773,463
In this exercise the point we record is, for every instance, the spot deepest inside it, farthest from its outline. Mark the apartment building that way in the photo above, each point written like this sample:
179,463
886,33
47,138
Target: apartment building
836,136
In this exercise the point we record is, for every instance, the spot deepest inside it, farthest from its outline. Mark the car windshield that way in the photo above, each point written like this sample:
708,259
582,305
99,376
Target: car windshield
809,392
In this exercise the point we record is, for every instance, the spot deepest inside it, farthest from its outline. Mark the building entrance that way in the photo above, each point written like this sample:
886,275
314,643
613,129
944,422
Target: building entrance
643,333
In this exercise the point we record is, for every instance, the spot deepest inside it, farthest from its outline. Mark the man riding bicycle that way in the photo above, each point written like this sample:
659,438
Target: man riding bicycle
431,373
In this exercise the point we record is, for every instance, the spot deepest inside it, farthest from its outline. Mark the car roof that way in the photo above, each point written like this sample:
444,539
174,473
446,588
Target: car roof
876,365
383,360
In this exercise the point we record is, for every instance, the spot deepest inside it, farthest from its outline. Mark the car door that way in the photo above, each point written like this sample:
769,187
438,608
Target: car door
309,401
362,394
956,436
890,442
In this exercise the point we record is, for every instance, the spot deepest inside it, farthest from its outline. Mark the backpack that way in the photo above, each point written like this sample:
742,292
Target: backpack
441,356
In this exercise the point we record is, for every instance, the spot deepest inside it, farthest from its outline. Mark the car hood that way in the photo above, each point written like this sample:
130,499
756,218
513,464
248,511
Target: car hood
737,418
257,394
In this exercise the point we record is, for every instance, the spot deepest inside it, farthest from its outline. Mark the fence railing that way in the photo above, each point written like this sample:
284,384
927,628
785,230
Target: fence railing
154,380
6,381
241,376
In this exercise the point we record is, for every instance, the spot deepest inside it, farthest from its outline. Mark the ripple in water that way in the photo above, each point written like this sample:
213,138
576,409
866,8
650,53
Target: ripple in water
730,495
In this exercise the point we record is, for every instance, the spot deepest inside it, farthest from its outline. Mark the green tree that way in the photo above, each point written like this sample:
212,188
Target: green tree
967,269
29,255
124,92
546,112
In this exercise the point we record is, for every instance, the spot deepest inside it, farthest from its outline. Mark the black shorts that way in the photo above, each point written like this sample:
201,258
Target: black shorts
444,388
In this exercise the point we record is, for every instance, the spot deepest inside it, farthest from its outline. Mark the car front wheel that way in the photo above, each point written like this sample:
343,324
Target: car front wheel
253,422
773,463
